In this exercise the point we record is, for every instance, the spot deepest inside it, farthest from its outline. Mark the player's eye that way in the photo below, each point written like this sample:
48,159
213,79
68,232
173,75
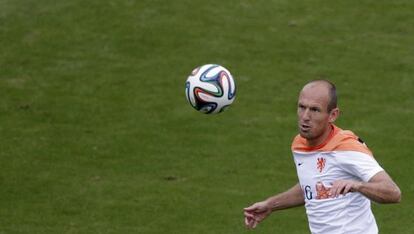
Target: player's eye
315,109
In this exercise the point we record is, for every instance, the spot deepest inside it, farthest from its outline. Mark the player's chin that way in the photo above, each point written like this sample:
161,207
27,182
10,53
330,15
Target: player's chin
305,134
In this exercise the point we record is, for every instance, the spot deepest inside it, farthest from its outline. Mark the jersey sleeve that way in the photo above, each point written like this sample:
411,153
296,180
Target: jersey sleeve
359,164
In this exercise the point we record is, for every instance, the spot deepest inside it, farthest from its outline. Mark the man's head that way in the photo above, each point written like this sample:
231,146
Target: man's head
317,110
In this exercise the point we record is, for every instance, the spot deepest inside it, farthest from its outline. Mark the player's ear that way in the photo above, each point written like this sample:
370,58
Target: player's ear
333,115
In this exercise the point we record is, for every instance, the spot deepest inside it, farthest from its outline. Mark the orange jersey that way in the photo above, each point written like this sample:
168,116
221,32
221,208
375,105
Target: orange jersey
343,156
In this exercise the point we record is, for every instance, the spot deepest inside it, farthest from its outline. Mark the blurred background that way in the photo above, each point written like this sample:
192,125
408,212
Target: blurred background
97,137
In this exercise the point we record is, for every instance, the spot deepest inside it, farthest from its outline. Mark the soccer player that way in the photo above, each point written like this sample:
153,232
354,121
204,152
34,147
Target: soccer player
338,175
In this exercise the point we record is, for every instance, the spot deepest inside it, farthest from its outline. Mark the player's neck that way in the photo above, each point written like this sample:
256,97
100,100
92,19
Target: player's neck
322,140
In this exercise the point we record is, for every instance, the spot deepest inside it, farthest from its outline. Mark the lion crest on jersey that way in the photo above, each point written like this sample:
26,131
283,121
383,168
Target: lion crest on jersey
320,164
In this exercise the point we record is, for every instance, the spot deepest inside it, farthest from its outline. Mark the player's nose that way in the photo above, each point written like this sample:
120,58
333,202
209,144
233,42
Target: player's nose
305,116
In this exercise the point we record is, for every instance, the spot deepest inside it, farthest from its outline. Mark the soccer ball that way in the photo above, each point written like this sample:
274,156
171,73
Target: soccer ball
210,89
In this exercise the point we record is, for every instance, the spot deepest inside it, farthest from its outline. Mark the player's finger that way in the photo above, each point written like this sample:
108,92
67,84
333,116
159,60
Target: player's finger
247,214
250,223
250,208
332,191
347,189
255,222
246,221
335,189
342,190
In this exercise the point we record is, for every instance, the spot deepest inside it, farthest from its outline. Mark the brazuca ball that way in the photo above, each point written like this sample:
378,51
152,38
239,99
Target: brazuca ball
210,89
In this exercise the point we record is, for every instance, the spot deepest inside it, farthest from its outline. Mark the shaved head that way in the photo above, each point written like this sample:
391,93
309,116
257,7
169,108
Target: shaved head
330,88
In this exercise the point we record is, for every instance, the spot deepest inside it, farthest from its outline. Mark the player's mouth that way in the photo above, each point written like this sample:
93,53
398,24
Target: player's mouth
304,127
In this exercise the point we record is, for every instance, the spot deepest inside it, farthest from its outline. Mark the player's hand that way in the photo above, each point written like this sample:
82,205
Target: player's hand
343,187
255,213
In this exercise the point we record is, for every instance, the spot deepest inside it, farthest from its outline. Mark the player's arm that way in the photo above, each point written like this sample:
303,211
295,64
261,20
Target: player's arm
380,188
260,210
291,198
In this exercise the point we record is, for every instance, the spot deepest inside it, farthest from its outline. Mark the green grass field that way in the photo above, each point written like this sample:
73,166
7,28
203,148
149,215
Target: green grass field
97,137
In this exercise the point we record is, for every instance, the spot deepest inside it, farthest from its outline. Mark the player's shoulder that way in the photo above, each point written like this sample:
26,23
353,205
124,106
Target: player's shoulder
346,140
